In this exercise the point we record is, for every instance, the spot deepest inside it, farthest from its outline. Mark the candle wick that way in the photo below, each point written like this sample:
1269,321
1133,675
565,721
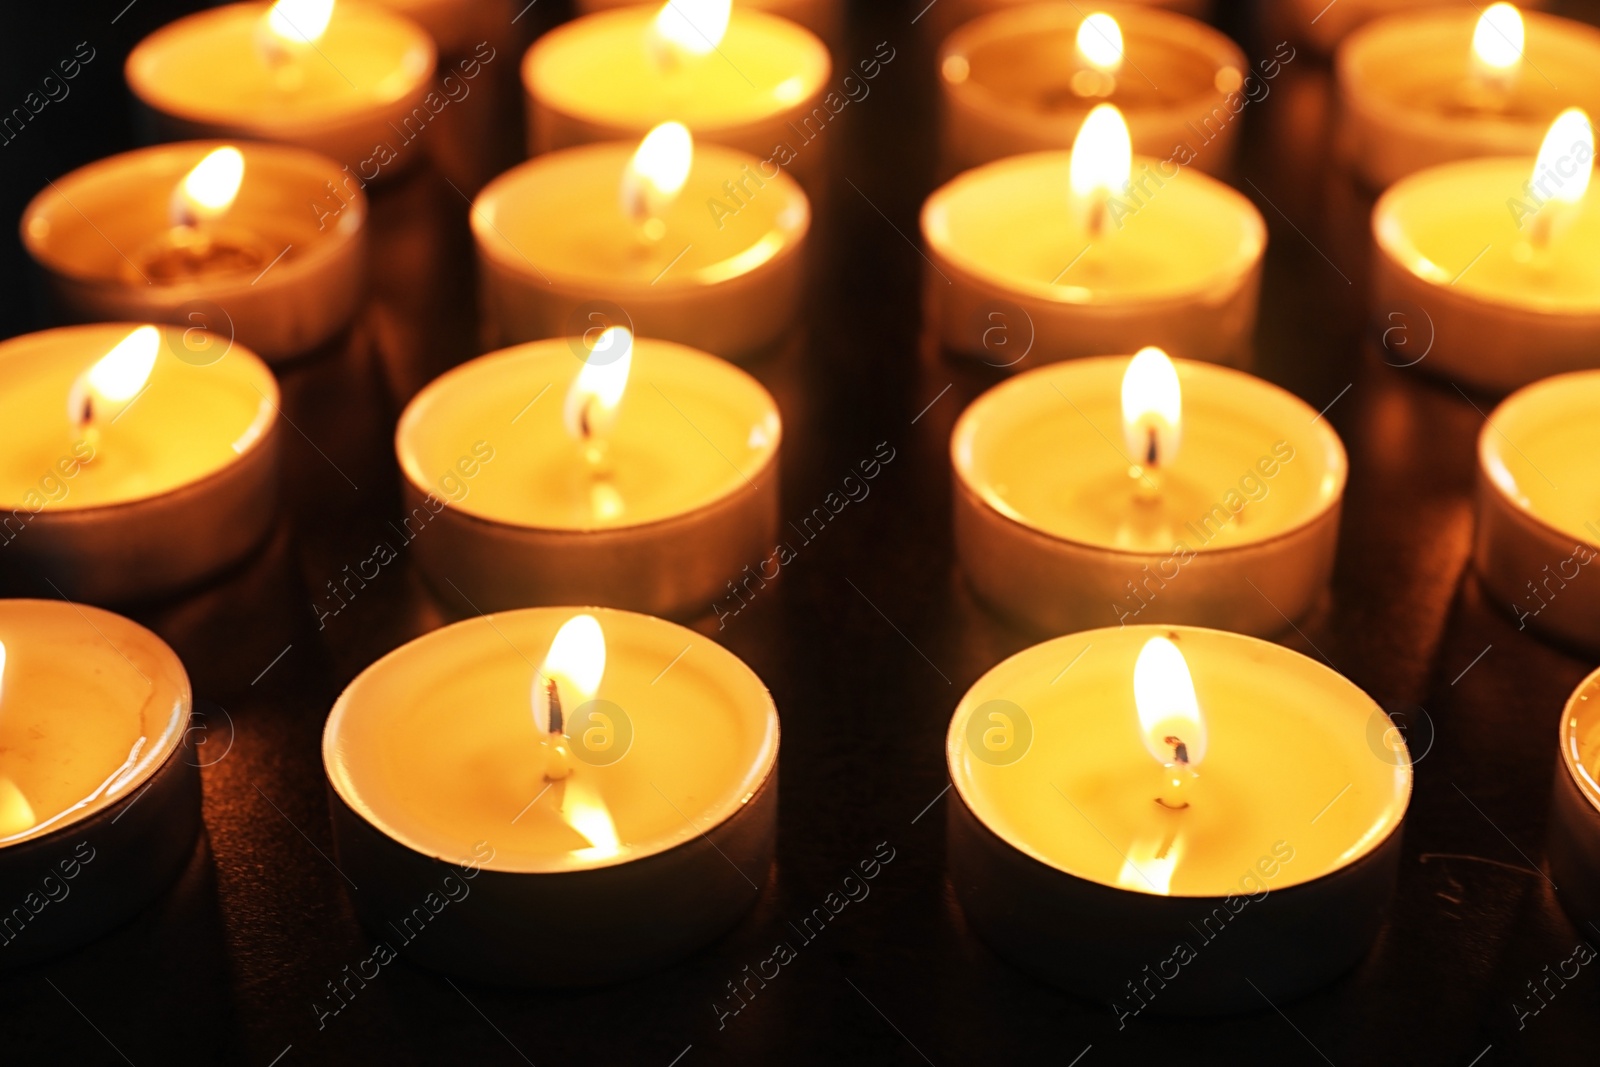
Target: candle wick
1152,452
1180,751
557,726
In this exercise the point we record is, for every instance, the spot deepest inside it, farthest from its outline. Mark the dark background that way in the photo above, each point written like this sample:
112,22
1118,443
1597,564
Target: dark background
867,641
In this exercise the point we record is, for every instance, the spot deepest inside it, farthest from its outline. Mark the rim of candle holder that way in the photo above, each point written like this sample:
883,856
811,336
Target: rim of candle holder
1242,261
955,744
141,73
762,773
1488,451
263,440
1043,15
1566,742
292,270
965,430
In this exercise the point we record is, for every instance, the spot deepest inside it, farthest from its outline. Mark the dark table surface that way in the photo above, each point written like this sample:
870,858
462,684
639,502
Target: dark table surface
867,641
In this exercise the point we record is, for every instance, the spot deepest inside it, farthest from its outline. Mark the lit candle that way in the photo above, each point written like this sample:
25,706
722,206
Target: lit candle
1093,251
617,820
1539,507
99,788
825,18
1322,25
649,486
1183,802
945,17
698,244
1502,256
1573,850
1006,90
204,234
1444,84
735,76
136,460
1216,504
347,79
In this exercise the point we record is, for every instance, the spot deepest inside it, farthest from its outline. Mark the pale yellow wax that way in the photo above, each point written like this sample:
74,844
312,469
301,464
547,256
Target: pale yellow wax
435,744
1046,449
1542,455
209,68
1454,225
90,706
1580,738
559,215
1013,223
690,430
605,68
1292,756
190,422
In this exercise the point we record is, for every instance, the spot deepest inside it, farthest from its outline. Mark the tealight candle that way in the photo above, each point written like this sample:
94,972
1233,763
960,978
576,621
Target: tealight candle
1183,820
944,17
1539,507
825,18
1101,251
646,480
1006,90
1112,490
735,76
587,794
1439,85
346,80
1323,26
134,460
1502,256
691,243
99,788
1574,838
241,240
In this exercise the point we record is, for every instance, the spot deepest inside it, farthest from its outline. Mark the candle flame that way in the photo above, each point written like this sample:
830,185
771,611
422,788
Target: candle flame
1498,39
695,27
1169,711
1102,153
657,172
106,388
1100,42
575,663
1152,408
1571,136
208,191
1148,866
586,812
300,22
591,407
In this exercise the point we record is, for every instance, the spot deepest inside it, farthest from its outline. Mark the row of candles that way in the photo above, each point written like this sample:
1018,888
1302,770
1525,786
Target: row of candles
617,765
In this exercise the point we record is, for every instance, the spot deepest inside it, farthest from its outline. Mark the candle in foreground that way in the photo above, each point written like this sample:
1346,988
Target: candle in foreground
99,789
1184,801
735,76
346,79
591,793
1574,835
1006,90
135,460
637,474
244,240
685,241
1502,257
1539,507
1092,251
1118,490
1444,84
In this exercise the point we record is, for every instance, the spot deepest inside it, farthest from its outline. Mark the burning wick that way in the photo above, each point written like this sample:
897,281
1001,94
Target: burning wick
1102,162
1176,775
591,405
1152,416
557,745
290,29
1171,725
577,659
103,392
654,177
686,30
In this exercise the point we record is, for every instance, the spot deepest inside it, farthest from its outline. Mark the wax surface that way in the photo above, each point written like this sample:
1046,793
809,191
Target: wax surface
1541,453
1047,450
560,214
1290,758
603,67
190,421
690,430
435,743
90,705
1580,738
1453,225
208,67
1011,222
99,222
